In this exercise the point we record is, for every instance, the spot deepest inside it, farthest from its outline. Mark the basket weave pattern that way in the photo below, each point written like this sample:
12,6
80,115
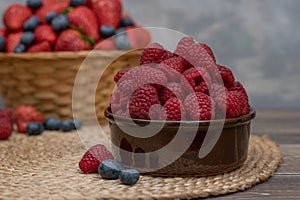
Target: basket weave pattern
45,80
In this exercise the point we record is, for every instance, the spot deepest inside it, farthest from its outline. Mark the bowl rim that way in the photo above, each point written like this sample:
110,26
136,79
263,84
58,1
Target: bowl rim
231,121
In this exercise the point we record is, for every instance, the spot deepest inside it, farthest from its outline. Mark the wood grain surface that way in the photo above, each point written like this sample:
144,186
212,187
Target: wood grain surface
282,126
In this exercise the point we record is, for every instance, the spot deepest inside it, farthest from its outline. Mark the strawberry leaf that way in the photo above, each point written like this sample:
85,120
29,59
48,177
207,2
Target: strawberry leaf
90,40
65,12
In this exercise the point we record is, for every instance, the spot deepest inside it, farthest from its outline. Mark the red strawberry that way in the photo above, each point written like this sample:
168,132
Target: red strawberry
71,40
12,41
105,44
2,32
91,160
154,53
139,37
25,115
15,16
40,47
89,3
45,33
51,6
5,130
108,12
83,17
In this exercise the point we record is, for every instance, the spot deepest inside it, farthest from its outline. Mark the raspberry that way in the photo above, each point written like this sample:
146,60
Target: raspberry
175,63
209,51
216,90
237,86
141,101
5,129
174,110
202,87
156,112
198,56
172,89
199,106
26,114
183,45
154,53
93,157
120,74
118,101
233,103
226,75
194,77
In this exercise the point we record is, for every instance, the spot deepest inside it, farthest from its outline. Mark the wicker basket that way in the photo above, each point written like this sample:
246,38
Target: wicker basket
46,80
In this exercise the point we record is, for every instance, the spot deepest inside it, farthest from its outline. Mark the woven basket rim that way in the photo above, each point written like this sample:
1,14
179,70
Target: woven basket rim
64,54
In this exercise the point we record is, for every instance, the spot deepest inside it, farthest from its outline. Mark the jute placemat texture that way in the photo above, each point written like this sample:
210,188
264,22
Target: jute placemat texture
46,167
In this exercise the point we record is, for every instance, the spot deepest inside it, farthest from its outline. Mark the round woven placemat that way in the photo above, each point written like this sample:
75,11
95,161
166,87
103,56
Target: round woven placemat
46,167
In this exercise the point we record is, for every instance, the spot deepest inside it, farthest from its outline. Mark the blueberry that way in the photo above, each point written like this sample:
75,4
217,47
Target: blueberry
121,31
27,38
107,31
67,125
75,3
122,42
110,169
60,23
50,16
2,43
76,124
20,48
125,21
34,4
129,176
34,128
52,124
31,24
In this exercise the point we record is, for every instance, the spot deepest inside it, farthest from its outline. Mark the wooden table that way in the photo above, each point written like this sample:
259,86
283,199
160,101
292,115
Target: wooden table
283,127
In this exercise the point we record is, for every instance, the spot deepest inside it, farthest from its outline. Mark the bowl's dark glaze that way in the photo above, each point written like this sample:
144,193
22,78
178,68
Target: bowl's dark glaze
229,152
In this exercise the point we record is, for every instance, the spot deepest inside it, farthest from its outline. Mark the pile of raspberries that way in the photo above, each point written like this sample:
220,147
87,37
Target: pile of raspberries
185,85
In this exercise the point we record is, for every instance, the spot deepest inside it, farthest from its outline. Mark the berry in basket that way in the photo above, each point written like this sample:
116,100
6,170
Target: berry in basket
95,22
185,85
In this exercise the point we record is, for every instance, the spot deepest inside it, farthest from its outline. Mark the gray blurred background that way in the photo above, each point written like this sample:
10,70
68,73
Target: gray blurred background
258,39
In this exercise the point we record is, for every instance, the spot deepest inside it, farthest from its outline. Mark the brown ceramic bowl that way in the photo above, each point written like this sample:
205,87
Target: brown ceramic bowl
174,149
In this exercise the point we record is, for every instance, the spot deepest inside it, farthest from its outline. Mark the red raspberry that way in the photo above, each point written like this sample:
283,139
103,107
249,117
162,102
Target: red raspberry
237,86
183,45
141,101
91,160
26,114
202,87
154,53
233,103
227,76
194,77
120,74
198,56
209,51
6,115
175,63
216,90
199,106
156,112
5,129
174,109
172,89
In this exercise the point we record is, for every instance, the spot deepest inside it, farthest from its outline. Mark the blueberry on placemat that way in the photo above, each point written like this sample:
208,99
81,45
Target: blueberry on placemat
110,169
52,124
67,125
34,128
129,176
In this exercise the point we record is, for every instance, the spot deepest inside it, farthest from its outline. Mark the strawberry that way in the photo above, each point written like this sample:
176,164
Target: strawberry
139,37
45,33
108,12
58,7
12,41
89,3
71,40
83,17
40,47
105,44
26,114
91,160
2,32
15,16
5,130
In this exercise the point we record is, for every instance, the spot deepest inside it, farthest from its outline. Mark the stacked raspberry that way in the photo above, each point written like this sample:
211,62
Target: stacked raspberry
185,85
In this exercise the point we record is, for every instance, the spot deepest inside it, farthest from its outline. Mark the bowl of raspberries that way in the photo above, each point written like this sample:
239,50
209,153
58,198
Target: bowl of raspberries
179,113
44,42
